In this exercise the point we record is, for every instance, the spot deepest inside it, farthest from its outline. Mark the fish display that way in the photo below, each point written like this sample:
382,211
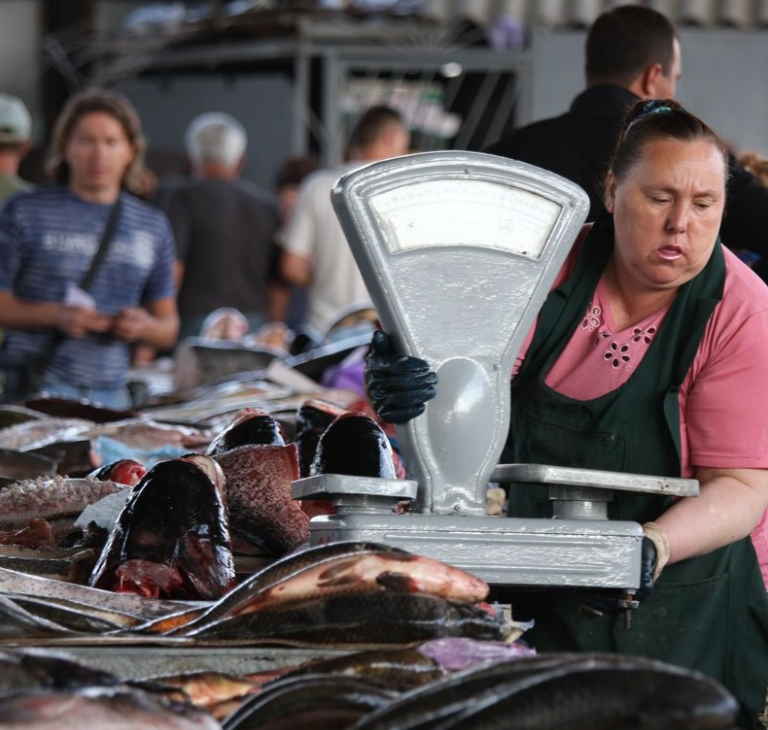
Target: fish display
144,434
171,539
336,569
36,433
251,427
310,701
18,465
577,691
37,533
377,618
69,408
48,498
122,471
11,415
261,507
105,708
123,609
313,417
354,444
73,457
396,669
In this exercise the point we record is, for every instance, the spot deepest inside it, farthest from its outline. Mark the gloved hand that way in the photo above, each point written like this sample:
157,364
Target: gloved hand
654,554
398,385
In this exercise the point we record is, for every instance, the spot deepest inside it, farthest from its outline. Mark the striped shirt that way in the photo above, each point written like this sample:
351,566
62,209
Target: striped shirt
47,241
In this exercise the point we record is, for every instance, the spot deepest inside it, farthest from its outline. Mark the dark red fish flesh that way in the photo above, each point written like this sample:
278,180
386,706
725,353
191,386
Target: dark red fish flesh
251,427
261,507
172,538
354,444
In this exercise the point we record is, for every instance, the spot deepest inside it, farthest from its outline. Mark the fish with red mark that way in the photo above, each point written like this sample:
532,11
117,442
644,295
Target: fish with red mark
171,539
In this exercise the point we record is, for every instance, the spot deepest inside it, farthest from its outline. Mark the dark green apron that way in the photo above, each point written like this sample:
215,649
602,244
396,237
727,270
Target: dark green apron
708,613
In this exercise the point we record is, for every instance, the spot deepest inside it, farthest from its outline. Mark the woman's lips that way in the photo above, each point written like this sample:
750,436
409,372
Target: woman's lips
669,253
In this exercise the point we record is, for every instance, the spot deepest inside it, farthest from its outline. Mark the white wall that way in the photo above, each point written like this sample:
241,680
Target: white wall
20,53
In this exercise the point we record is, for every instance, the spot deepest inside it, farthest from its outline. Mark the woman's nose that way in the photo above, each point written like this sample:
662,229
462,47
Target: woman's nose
677,221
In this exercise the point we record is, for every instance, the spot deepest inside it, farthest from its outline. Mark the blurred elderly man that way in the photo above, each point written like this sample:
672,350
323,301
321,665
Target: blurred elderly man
15,133
224,227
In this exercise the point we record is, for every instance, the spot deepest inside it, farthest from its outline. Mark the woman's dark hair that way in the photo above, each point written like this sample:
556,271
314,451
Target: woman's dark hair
624,41
659,119
105,102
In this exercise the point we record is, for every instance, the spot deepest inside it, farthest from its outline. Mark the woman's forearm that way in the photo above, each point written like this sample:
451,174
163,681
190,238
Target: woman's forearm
729,506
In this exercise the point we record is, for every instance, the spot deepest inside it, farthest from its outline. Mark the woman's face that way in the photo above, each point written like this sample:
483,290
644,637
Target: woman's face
98,152
667,210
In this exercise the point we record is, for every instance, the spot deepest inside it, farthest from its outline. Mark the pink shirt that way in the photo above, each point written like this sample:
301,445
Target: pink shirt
724,398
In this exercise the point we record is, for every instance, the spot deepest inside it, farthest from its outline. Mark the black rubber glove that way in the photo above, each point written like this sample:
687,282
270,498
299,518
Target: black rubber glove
398,385
648,558
600,604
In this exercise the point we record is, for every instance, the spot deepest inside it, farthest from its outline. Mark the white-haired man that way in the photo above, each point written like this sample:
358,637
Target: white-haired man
224,227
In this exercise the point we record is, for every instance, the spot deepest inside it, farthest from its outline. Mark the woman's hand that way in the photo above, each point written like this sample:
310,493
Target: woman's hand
398,385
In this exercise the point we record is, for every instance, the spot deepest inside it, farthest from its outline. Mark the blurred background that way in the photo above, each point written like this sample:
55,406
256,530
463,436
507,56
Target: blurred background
298,72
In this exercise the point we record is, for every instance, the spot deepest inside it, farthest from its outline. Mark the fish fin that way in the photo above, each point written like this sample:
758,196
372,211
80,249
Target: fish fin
399,582
338,574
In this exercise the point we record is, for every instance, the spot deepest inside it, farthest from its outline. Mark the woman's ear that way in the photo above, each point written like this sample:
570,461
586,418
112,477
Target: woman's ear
609,194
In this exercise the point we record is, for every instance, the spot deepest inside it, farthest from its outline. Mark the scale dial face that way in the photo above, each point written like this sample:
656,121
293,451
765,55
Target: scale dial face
468,213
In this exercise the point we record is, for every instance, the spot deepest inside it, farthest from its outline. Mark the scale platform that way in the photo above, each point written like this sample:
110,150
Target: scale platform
578,548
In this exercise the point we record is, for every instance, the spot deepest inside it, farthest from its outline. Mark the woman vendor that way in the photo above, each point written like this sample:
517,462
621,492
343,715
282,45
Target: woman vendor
649,356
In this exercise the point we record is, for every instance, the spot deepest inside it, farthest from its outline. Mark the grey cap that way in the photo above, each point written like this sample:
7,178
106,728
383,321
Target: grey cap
15,122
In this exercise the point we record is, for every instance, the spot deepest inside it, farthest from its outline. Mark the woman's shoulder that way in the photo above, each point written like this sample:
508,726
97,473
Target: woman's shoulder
744,291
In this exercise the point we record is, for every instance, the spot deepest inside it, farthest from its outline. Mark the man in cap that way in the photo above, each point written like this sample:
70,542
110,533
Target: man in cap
15,133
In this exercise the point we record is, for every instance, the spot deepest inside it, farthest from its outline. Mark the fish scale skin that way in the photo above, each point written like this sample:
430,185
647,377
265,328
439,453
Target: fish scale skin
607,700
560,691
259,495
366,618
48,497
288,566
310,692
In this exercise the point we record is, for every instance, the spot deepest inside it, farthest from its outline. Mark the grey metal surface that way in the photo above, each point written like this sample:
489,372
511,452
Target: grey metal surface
458,250
595,478
323,485
512,551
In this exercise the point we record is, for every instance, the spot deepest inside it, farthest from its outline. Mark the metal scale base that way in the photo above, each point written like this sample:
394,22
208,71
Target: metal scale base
580,548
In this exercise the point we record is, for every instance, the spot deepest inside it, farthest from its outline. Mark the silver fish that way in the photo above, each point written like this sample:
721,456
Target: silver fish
50,497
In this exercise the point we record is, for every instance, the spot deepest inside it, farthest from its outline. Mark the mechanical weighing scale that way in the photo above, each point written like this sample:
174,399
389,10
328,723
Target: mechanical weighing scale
459,251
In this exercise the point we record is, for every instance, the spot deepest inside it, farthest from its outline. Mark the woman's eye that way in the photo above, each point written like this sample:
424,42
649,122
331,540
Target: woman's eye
657,199
702,204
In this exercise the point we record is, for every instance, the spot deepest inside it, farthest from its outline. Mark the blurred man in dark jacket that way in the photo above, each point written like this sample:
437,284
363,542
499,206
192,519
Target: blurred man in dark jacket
224,228
632,53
